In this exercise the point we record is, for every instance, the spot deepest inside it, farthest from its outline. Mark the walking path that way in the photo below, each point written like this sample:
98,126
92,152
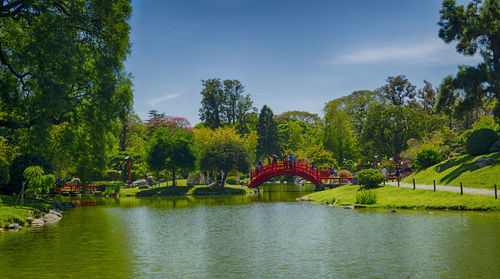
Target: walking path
445,188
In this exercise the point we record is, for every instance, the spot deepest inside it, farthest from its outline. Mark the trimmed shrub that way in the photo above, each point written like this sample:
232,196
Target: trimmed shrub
344,173
427,158
480,141
370,178
4,172
17,167
366,197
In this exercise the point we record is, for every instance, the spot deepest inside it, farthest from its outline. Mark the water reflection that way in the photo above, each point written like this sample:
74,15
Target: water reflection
252,236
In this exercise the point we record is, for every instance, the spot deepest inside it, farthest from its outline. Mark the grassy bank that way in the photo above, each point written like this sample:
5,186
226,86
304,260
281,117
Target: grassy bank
395,197
461,169
10,214
183,190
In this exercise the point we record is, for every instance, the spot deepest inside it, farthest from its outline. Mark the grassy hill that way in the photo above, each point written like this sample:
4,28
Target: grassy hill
398,197
461,169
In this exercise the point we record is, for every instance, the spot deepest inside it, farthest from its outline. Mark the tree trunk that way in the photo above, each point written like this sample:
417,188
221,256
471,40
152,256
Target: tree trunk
123,138
173,176
223,179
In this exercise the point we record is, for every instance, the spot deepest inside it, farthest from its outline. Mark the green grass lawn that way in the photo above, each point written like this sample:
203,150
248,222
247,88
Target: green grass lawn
10,214
396,197
461,169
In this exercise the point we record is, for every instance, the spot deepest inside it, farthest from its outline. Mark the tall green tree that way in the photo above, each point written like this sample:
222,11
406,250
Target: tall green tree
398,90
339,138
268,142
62,62
476,28
224,102
172,150
226,155
427,96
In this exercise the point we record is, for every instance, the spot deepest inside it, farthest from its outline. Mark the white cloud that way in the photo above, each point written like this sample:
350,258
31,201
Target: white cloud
432,51
167,97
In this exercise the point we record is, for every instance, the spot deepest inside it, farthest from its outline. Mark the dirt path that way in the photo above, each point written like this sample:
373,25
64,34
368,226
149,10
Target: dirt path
446,188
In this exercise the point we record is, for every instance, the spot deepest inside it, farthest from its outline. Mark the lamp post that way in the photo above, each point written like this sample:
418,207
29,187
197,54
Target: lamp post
376,161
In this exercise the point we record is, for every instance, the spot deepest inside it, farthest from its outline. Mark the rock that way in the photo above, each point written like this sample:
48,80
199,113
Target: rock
324,203
29,220
38,222
144,187
431,213
128,195
1,229
51,218
483,162
393,211
480,214
303,199
355,180
56,213
349,207
139,182
496,146
14,227
115,195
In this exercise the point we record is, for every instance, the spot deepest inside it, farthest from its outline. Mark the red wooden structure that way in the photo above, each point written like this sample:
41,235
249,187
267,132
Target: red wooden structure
315,176
74,188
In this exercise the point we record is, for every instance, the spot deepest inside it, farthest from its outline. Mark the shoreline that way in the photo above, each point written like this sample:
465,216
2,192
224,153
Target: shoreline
391,197
35,213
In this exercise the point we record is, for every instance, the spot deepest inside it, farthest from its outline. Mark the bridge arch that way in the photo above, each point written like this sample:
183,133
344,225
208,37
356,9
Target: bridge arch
315,176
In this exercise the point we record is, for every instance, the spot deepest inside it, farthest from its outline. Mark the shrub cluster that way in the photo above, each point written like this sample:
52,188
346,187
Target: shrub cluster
427,158
370,178
344,173
480,141
17,167
366,197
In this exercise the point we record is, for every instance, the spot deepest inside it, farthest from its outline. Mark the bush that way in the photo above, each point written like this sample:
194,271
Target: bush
111,175
344,173
480,141
17,167
427,158
370,178
366,197
4,172
115,188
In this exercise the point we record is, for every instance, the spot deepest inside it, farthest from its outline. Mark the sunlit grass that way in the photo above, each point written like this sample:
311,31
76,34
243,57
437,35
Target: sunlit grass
461,169
395,197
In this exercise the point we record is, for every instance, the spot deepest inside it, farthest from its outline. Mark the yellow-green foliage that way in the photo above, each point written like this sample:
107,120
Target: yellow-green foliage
461,169
206,136
396,197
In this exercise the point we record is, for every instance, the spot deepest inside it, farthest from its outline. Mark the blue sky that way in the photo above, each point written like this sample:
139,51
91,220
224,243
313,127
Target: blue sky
290,55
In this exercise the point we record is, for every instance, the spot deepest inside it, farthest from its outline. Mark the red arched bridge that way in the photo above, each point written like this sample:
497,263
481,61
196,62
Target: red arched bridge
315,176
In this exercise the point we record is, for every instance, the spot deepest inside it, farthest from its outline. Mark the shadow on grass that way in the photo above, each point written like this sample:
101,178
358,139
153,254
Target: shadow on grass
164,191
464,166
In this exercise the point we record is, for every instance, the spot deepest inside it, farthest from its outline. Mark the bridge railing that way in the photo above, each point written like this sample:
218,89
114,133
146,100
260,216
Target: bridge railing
299,167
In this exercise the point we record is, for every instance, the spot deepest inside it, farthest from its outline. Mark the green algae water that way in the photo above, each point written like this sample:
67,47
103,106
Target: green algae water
268,235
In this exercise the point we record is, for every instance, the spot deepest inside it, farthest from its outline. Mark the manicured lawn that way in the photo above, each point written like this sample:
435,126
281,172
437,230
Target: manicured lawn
10,214
461,169
395,197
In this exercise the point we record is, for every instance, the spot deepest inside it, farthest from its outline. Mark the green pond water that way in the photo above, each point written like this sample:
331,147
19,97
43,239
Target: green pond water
268,235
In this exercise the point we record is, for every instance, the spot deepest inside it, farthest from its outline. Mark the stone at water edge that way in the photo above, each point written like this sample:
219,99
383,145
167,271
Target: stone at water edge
393,211
14,227
56,213
51,218
38,222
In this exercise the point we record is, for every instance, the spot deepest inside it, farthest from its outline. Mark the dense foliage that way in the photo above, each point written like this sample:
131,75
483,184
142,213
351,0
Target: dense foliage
225,156
370,178
480,141
427,158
